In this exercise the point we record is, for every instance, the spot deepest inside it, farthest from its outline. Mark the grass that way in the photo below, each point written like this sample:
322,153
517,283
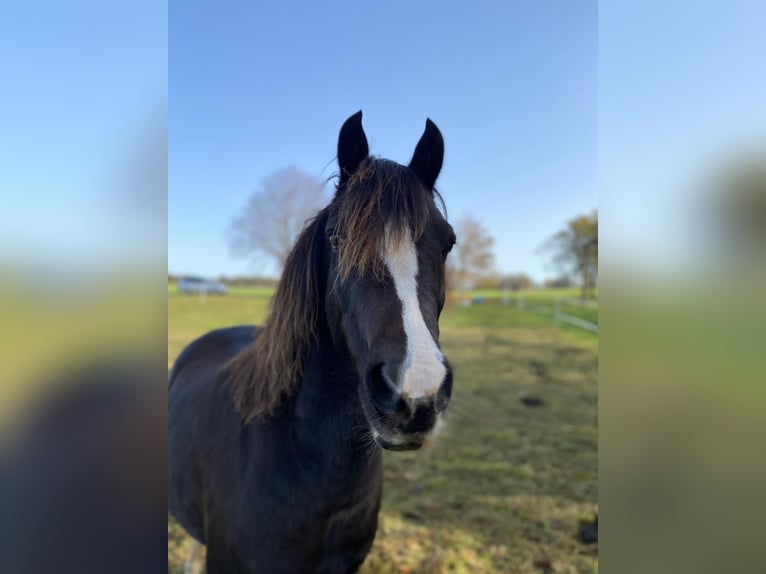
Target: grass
504,487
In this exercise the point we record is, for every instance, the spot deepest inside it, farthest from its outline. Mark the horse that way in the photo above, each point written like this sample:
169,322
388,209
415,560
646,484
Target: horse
275,433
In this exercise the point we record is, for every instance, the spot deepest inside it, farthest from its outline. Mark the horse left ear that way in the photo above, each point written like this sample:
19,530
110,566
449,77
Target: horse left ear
352,146
429,155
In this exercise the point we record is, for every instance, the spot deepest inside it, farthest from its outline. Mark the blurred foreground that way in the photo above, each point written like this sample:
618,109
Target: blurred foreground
83,443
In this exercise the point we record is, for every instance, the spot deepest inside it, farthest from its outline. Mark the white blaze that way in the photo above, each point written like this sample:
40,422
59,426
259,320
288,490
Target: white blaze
423,370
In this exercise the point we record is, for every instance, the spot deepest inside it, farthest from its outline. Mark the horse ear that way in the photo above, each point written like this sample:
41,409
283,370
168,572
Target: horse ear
429,155
352,146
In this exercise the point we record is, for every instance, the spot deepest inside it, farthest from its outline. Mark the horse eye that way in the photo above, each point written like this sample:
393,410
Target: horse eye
335,240
448,248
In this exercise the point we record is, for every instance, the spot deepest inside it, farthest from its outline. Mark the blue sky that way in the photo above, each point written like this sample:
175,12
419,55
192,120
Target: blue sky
260,86
513,86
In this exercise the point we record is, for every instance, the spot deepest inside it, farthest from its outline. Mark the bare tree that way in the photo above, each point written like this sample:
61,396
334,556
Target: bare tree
473,256
516,282
451,279
275,214
575,250
562,282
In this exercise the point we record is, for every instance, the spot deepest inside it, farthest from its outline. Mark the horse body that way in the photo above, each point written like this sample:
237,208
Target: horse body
275,433
292,494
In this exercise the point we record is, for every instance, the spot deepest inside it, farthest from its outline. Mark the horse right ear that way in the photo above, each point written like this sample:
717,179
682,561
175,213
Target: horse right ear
429,155
352,146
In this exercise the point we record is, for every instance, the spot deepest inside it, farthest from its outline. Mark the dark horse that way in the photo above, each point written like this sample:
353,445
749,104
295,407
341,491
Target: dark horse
273,432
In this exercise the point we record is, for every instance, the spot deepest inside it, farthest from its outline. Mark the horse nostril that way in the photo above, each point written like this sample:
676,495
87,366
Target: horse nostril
441,402
445,392
382,390
403,410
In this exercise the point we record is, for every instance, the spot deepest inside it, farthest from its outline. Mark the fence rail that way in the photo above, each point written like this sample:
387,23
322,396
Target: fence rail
559,316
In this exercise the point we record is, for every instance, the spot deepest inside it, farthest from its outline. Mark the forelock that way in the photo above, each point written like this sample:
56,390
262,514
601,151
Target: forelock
381,199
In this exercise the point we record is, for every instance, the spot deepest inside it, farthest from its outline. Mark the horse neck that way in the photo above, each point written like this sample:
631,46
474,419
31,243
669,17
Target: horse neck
327,408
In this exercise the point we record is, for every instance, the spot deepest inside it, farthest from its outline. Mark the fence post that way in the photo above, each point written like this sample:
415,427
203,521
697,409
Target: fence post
557,311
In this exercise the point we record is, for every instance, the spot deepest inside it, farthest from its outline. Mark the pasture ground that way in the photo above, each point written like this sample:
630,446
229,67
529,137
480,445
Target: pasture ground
504,487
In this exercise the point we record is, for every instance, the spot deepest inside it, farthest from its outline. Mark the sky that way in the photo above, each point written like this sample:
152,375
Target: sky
540,104
262,86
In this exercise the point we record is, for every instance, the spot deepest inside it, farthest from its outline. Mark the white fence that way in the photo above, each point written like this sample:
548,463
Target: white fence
559,315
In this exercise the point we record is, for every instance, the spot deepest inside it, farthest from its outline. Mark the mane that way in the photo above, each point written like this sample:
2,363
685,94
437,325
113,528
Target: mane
381,201
268,371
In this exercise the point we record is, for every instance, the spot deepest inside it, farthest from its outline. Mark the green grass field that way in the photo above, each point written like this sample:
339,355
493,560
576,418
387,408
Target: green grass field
504,487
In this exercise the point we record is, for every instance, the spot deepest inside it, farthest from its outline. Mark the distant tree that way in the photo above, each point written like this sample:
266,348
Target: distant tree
558,283
274,215
488,281
451,280
473,257
575,250
516,282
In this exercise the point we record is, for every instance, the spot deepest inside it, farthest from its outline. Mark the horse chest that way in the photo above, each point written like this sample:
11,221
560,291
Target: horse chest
310,530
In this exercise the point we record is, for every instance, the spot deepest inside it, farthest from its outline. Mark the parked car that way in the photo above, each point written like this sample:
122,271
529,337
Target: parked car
200,285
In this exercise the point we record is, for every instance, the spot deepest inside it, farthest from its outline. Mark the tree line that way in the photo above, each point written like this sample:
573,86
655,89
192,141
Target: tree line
267,226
